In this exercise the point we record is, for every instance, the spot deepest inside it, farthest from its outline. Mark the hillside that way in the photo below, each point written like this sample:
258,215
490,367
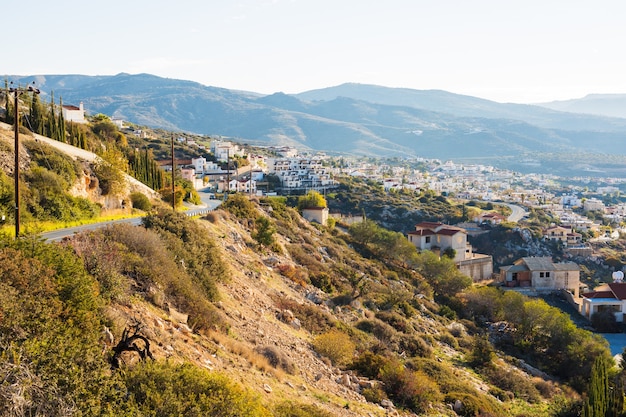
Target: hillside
253,311
362,120
610,105
304,323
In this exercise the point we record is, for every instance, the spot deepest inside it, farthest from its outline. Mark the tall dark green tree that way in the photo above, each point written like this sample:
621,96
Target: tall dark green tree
8,118
598,399
36,116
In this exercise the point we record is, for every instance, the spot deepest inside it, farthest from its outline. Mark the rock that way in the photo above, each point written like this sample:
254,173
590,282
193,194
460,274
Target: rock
345,380
386,403
178,316
267,388
367,384
296,324
458,406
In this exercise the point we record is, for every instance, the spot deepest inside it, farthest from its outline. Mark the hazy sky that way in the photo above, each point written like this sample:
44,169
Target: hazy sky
508,51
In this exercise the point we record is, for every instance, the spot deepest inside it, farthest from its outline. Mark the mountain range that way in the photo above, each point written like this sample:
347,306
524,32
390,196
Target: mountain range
563,138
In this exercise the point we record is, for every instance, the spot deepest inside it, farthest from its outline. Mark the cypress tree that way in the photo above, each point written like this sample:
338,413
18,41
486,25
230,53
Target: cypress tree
9,104
61,123
597,403
36,114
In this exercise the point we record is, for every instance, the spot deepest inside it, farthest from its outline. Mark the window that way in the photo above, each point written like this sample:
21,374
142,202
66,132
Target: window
427,239
541,274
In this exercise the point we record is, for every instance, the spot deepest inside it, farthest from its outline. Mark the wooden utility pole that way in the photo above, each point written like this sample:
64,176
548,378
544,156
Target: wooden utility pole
17,91
173,176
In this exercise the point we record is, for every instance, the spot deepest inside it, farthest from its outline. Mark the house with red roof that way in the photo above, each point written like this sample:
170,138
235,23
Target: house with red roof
565,235
442,238
611,297
491,217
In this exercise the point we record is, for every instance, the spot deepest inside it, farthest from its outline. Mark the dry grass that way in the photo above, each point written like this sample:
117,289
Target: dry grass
255,359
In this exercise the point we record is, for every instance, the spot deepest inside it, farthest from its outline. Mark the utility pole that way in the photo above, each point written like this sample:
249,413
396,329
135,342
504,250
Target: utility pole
173,176
18,91
227,172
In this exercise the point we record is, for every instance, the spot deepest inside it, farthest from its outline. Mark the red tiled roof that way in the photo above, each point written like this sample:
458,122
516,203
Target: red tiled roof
599,294
619,289
423,232
428,225
448,232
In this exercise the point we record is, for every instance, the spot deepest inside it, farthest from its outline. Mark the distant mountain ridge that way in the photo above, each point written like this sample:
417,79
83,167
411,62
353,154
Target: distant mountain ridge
360,120
611,105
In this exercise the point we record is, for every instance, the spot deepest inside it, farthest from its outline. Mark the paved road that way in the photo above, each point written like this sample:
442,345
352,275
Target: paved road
517,212
57,235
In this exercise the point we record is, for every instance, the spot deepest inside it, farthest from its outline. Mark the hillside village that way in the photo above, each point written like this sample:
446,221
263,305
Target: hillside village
345,316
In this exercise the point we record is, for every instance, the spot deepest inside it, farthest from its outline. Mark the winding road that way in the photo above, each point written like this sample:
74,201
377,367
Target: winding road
60,234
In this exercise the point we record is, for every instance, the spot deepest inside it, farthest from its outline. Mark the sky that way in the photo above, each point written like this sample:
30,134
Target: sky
526,51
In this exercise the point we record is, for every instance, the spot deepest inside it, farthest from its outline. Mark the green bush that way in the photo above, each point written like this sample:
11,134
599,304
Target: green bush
164,389
605,322
512,381
140,201
408,388
383,332
369,364
241,207
291,409
414,345
336,346
474,405
50,323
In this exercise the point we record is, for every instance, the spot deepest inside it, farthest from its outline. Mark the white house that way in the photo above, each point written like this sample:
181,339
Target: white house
73,113
438,237
611,297
316,214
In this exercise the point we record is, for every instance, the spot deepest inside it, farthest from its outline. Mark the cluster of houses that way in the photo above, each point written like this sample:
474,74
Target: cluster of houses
534,274
530,275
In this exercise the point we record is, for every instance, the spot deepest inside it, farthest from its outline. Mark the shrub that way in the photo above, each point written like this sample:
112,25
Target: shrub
513,381
291,409
213,216
336,346
414,345
164,389
394,320
473,405
383,332
277,359
482,352
442,373
448,339
264,231
312,318
605,322
374,395
240,206
140,201
369,364
322,281
411,389
294,273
